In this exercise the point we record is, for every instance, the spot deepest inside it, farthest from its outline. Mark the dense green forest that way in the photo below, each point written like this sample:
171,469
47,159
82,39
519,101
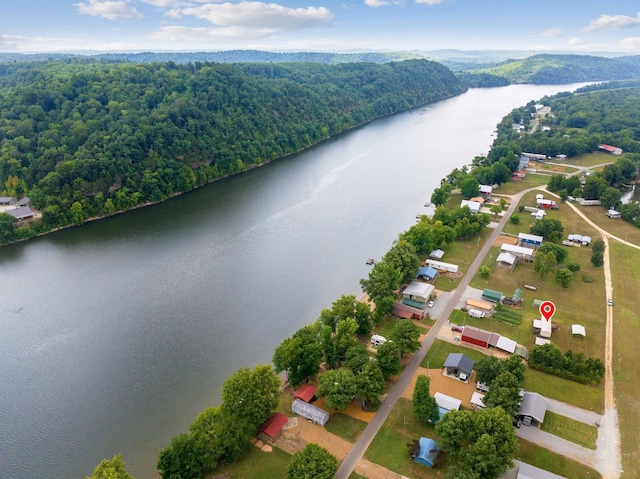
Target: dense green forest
85,139
558,69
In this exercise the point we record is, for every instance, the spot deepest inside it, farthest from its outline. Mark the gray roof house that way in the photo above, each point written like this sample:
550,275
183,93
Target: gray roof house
457,363
532,409
21,213
7,200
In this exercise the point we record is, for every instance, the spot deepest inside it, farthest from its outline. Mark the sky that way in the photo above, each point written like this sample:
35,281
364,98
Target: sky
578,26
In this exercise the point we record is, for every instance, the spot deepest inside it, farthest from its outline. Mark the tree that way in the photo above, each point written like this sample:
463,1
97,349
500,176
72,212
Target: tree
597,259
487,369
627,168
78,216
251,395
612,174
388,357
564,277
470,187
338,386
110,469
495,209
543,263
299,355
558,251
441,195
515,366
610,197
425,407
356,358
564,195
348,307
370,384
500,173
7,229
313,462
180,460
484,271
550,229
594,187
403,257
405,334
505,393
346,337
598,245
381,286
515,219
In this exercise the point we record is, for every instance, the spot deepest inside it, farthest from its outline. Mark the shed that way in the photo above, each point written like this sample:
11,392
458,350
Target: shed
614,214
405,311
436,254
485,190
272,427
476,336
21,213
446,403
440,266
522,352
533,409
479,304
578,329
526,239
542,341
518,251
472,205
491,295
457,363
428,452
574,238
506,344
477,400
506,259
427,273
586,240
310,412
24,201
306,392
614,150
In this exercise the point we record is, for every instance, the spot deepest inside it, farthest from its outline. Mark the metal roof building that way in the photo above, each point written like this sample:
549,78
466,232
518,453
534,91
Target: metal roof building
308,411
533,409
458,361
527,239
518,251
427,273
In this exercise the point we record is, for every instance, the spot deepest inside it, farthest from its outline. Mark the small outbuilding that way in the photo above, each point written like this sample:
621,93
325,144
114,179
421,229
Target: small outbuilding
457,364
405,311
491,295
477,401
272,427
310,412
446,403
485,190
533,409
7,200
542,341
614,214
417,294
506,259
518,251
472,205
577,329
436,254
479,304
306,392
427,273
428,453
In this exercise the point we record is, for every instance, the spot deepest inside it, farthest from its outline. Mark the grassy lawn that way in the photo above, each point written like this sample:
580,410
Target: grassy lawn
626,354
590,159
390,446
556,463
438,353
345,427
255,463
581,395
570,429
384,327
618,227
529,181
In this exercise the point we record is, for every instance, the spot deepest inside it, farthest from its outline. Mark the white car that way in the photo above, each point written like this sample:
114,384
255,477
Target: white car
431,303
610,302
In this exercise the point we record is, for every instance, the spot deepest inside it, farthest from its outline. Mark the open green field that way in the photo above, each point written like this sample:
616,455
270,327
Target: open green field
553,168
571,392
580,303
590,159
345,427
556,463
438,353
390,446
626,354
529,181
618,227
570,429
255,463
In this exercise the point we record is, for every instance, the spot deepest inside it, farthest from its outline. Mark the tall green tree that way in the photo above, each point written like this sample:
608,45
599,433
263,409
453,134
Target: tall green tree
348,307
549,228
388,357
181,459
425,407
405,335
381,286
505,393
110,469
470,187
338,386
543,263
313,462
564,277
370,384
299,355
403,257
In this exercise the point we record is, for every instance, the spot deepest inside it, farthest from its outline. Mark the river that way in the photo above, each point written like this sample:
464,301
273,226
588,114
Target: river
116,334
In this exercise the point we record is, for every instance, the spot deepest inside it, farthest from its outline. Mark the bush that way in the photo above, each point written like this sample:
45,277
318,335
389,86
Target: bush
587,279
574,366
515,219
573,266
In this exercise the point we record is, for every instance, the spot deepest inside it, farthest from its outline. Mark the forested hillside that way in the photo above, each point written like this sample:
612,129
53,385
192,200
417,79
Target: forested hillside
85,139
557,69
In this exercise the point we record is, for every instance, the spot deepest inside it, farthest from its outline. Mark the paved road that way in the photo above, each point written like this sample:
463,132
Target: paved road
390,401
578,414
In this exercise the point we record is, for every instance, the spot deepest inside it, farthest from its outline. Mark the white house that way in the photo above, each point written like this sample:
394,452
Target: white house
472,205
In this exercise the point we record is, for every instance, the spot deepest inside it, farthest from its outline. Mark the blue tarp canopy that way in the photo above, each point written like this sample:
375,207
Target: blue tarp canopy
427,272
428,452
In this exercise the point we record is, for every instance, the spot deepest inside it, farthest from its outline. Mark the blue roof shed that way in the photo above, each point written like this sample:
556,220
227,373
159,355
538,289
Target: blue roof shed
428,452
427,273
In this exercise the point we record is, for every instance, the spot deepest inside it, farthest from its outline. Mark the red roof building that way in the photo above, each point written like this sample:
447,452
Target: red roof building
272,428
476,336
305,392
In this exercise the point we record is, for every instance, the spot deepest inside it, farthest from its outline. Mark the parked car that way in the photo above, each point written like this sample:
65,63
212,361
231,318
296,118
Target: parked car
610,302
431,303
456,328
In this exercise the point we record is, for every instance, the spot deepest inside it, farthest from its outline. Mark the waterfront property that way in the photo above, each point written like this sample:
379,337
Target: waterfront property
272,428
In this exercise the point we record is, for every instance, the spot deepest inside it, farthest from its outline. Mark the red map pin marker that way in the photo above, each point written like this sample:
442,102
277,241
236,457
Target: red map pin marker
547,310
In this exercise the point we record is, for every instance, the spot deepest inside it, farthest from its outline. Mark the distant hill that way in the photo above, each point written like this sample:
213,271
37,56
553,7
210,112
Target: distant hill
547,69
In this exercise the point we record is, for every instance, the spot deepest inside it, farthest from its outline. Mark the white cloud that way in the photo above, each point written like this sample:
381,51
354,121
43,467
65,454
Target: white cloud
630,44
162,3
429,2
612,22
111,10
176,33
258,16
376,3
17,43
552,33
575,41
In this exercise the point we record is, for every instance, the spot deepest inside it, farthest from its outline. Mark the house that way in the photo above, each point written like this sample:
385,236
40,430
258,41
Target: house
518,251
614,150
476,336
517,127
21,213
477,401
506,259
405,311
7,200
428,453
535,156
310,412
479,304
561,157
440,266
526,239
524,162
24,201
614,214
474,206
518,175
306,393
446,403
491,295
583,202
542,327
546,204
539,214
436,254
459,365
272,427
485,190
417,294
532,409
427,273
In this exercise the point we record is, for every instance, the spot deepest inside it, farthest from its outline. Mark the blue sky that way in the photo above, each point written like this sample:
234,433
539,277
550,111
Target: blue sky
579,26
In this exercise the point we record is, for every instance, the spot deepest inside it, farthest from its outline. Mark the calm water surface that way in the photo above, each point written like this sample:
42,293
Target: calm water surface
113,336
